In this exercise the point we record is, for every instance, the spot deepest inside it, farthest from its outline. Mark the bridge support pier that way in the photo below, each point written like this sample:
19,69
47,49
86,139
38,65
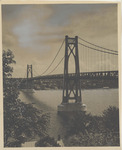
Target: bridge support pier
72,100
69,107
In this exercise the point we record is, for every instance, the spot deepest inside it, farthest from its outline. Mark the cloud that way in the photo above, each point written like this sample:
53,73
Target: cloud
35,32
97,26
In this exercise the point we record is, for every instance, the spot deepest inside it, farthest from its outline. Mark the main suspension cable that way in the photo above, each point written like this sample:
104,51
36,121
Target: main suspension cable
98,49
96,45
56,66
54,58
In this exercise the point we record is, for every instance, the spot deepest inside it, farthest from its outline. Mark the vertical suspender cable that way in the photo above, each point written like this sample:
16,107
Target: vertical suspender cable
86,61
101,66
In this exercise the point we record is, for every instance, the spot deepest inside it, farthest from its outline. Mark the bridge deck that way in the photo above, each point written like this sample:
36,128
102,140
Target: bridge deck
83,75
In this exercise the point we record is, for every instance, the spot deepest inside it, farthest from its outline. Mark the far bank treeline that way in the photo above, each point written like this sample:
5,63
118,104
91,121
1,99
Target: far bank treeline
23,122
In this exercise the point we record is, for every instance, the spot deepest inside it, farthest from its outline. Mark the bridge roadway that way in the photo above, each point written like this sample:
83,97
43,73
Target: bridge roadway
113,74
83,75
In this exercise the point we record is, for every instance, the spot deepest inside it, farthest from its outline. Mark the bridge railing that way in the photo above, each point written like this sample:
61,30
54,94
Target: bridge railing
112,74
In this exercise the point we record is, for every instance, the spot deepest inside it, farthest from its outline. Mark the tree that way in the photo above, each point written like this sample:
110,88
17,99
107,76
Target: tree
8,59
21,121
82,122
88,130
111,119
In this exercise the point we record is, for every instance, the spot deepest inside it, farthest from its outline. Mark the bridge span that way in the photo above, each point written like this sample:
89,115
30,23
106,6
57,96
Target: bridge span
89,80
83,75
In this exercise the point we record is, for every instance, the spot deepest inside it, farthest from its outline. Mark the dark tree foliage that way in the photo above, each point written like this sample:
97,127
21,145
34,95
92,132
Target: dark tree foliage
8,59
93,139
82,122
111,119
21,121
47,142
87,130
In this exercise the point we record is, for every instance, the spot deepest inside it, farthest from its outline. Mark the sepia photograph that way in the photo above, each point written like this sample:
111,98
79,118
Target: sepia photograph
60,72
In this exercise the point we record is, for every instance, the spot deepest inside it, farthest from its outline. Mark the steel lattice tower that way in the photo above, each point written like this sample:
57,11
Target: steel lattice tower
29,70
29,76
71,84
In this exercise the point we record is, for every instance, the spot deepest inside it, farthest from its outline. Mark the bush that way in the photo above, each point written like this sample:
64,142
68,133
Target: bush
46,142
111,119
93,139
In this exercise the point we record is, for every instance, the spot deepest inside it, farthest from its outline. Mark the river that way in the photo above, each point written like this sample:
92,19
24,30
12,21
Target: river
97,100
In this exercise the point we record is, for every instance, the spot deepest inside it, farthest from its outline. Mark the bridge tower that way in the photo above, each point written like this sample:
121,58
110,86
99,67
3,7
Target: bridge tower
29,70
29,82
72,100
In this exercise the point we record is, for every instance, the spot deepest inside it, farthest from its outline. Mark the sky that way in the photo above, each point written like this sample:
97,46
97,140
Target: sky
35,33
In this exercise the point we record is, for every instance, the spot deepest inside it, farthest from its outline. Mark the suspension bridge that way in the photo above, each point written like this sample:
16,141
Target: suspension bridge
97,63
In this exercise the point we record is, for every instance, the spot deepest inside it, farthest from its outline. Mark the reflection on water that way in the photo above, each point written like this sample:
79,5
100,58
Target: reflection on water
48,100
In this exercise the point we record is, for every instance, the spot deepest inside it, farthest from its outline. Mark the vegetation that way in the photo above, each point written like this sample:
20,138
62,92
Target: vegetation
87,130
47,142
21,121
111,119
